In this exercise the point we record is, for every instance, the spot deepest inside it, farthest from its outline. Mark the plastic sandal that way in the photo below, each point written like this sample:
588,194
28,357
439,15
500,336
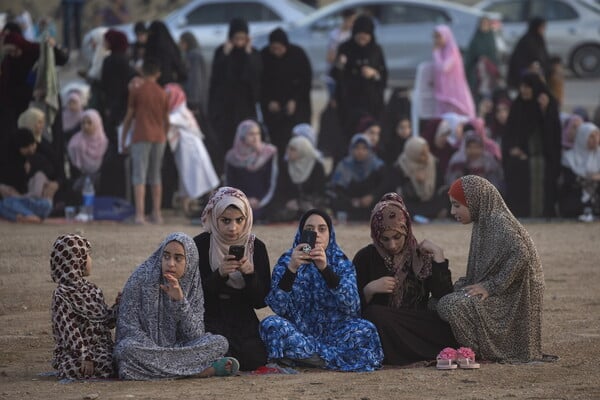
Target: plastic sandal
446,358
221,364
466,358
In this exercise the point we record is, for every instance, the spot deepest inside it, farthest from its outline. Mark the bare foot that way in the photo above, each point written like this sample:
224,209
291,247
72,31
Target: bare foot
157,219
140,221
207,373
29,219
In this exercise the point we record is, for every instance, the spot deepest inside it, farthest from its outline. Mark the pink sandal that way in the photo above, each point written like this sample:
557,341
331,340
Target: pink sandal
466,358
446,358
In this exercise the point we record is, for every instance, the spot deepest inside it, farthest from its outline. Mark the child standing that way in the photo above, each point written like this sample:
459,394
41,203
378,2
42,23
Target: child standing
81,320
148,104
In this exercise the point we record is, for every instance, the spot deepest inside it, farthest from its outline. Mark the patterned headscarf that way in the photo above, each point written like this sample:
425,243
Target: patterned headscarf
143,299
219,245
67,263
411,164
244,156
390,213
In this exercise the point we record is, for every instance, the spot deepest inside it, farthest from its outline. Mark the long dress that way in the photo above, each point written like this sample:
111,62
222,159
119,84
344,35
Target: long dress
313,317
158,337
411,332
506,326
230,311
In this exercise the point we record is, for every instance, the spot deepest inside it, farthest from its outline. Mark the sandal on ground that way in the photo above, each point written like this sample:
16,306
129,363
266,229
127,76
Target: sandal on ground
220,366
466,358
446,358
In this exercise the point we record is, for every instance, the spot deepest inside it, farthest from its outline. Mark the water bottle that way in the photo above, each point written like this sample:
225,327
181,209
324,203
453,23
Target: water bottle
88,193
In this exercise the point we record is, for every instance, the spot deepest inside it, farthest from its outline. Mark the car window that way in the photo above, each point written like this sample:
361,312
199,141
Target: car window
553,10
217,13
410,13
511,11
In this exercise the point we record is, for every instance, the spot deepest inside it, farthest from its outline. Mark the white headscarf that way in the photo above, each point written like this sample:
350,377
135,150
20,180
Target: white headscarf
581,160
301,168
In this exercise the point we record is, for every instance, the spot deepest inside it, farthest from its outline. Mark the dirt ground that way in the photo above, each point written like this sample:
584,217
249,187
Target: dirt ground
571,323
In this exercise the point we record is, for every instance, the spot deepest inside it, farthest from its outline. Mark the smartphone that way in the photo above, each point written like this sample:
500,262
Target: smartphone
237,251
309,237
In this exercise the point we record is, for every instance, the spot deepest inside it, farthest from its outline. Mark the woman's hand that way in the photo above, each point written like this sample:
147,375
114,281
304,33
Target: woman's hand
385,284
298,258
87,368
245,267
172,288
319,258
118,298
369,72
230,265
476,290
434,249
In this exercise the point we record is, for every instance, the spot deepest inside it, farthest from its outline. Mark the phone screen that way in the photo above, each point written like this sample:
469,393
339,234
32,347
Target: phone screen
309,237
237,251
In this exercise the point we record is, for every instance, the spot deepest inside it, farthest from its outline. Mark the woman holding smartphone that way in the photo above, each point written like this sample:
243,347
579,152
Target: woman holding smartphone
236,275
315,298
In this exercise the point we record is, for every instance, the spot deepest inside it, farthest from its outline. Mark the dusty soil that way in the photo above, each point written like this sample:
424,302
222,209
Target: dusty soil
570,255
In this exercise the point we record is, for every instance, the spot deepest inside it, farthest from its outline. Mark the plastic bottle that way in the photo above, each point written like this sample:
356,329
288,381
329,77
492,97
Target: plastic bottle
88,194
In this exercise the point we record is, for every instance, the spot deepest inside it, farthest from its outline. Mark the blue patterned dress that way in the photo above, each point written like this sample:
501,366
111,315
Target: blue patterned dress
312,318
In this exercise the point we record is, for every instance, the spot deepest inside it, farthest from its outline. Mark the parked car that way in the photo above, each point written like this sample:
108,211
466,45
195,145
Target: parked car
404,29
572,30
209,20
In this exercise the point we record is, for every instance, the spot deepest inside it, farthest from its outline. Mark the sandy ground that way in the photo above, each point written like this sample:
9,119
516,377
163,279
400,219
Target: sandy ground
571,325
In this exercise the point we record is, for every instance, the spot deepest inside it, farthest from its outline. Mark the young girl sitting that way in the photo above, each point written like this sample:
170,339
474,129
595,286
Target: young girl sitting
81,320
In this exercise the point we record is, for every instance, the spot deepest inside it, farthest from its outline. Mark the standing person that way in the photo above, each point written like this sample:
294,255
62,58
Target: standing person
138,48
496,309
252,166
196,84
531,150
160,327
233,287
399,280
286,81
530,49
317,306
161,48
234,83
149,106
336,37
482,61
363,75
72,11
115,13
452,92
81,320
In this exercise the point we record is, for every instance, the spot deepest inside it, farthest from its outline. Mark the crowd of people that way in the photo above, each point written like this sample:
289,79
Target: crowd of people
189,309
246,123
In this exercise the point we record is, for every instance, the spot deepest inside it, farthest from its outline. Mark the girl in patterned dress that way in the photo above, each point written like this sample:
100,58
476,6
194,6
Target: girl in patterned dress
81,320
314,294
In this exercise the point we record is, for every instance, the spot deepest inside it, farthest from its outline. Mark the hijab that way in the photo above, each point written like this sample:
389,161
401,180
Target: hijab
68,260
86,151
28,119
117,41
237,25
410,163
219,245
390,213
350,170
100,52
71,119
244,156
580,159
305,130
301,168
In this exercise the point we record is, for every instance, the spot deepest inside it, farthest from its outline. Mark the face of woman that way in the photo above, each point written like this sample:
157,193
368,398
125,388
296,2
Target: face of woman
277,49
460,212
87,269
240,40
73,105
374,134
424,154
593,140
393,241
292,154
526,92
474,151
252,138
403,129
173,259
362,39
231,223
438,40
360,152
317,223
86,125
502,113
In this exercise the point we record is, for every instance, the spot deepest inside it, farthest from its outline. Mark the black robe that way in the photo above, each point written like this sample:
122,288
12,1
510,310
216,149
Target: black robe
234,91
12,167
230,312
531,47
412,332
283,79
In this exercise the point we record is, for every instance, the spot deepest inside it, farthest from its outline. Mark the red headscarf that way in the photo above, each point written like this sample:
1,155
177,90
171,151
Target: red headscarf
457,192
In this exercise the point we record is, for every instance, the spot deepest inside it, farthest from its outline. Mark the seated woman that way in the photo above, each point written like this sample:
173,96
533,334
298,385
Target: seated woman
233,288
473,159
417,178
581,175
302,184
397,278
444,137
251,166
496,309
314,295
160,325
358,180
86,149
72,114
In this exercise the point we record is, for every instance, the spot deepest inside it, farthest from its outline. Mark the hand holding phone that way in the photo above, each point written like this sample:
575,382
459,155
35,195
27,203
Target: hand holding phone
309,238
237,251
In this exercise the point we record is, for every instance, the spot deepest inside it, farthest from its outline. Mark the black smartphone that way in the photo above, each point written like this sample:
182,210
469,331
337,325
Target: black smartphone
237,251
309,237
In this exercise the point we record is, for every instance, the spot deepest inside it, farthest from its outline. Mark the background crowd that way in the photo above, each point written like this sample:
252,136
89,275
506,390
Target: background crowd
246,123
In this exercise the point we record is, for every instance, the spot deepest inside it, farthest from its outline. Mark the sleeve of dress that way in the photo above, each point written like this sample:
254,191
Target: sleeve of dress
513,266
258,284
279,299
67,330
441,64
361,264
128,320
440,281
272,184
346,293
190,316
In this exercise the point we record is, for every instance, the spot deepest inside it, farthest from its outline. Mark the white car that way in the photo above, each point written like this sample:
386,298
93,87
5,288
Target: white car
572,29
209,20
